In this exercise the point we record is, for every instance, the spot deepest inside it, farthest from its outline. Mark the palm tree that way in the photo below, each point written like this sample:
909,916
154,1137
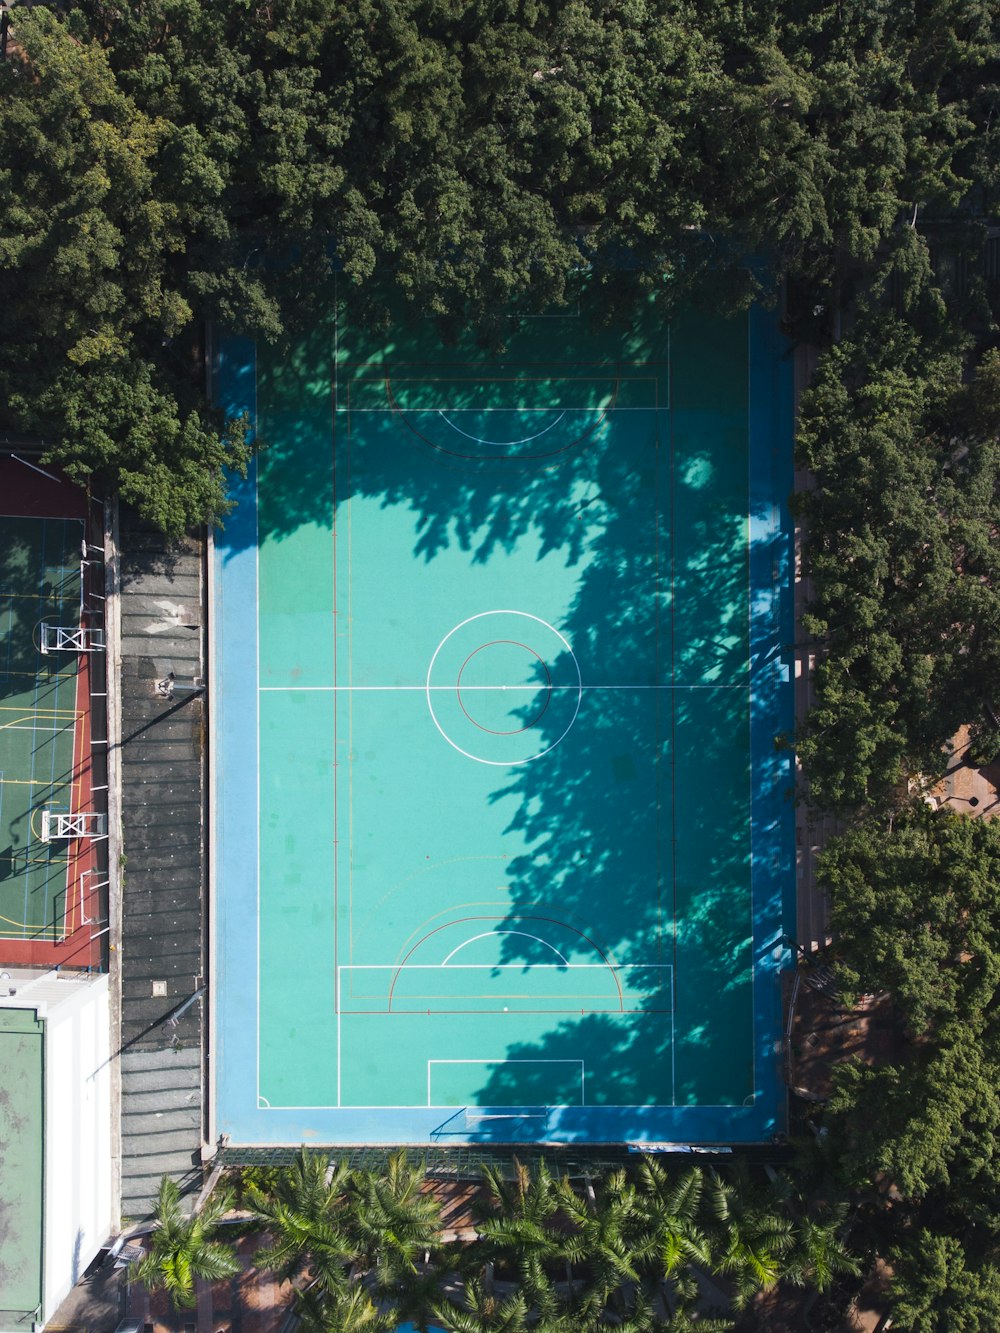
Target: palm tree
184,1248
610,1236
394,1224
518,1226
306,1213
347,1310
672,1206
820,1254
417,1296
754,1235
483,1312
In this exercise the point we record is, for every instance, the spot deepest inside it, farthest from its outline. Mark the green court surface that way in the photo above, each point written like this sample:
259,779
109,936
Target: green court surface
39,582
486,825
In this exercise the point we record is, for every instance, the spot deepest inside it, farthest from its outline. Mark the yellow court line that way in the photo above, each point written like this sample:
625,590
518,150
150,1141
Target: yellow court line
22,724
36,833
42,715
30,925
41,712
75,784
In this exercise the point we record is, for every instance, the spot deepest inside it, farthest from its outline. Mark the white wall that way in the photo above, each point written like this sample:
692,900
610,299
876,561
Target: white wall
78,1214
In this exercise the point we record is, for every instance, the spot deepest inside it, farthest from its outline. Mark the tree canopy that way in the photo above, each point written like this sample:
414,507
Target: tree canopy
172,162
902,552
916,910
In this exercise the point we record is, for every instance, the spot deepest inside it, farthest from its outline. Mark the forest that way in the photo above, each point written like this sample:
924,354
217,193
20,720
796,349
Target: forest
173,164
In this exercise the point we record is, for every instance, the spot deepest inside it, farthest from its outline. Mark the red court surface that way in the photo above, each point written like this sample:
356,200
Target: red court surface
78,926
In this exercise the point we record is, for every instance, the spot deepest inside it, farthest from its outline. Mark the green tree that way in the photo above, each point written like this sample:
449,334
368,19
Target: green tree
476,1309
173,161
394,1222
671,1203
349,1309
518,1225
924,1125
916,911
936,1290
753,1234
915,907
609,1237
96,327
183,1248
883,567
821,1254
307,1215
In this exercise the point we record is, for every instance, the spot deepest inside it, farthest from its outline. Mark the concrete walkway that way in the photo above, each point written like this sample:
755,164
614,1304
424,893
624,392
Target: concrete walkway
163,749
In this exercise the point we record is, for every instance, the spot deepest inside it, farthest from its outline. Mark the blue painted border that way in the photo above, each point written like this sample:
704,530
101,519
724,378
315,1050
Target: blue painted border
772,633
234,765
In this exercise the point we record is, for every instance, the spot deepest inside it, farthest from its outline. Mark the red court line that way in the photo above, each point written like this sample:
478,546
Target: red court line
336,752
510,1013
549,920
548,686
511,459
455,373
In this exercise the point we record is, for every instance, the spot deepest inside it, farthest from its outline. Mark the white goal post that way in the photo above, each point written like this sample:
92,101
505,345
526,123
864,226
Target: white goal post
58,825
71,639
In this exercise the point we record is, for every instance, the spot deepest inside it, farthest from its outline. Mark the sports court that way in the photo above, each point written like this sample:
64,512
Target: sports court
50,883
502,843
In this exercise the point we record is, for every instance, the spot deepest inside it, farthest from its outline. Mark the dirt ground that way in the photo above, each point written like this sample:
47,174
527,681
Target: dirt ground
825,1032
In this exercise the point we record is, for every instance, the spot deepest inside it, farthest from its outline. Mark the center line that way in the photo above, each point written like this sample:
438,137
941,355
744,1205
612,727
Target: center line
533,689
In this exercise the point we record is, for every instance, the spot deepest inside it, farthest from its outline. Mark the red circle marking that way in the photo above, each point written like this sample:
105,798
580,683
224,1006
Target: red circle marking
505,458
548,687
516,916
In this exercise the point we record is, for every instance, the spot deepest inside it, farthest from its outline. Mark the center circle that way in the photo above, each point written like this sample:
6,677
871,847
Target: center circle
504,687
493,668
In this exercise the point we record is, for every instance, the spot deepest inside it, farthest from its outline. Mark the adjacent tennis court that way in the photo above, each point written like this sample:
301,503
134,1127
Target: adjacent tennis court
48,883
503,845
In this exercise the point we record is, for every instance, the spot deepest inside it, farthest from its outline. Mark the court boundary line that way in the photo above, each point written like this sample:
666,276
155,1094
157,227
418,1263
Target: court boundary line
515,1061
256,588
383,374
768,590
754,1089
50,721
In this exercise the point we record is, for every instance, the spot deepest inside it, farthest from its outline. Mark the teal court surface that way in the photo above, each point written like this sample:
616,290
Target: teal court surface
503,846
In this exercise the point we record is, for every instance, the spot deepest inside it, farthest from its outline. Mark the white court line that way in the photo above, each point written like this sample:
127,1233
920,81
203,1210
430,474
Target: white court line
488,934
256,592
504,1061
467,689
615,969
504,444
487,615
54,730
413,411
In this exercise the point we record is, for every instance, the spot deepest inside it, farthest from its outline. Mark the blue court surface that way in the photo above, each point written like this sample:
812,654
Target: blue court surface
503,846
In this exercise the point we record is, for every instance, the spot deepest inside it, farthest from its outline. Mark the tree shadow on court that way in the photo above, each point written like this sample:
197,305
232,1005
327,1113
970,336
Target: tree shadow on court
478,505
636,825
32,592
